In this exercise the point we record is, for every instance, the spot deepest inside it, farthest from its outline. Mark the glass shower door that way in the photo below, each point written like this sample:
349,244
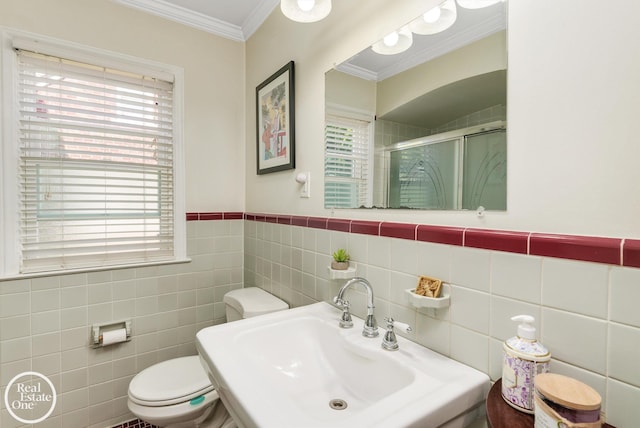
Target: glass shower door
423,177
484,175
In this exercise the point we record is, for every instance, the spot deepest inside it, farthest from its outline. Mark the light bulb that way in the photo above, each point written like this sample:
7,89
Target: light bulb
432,15
306,5
391,39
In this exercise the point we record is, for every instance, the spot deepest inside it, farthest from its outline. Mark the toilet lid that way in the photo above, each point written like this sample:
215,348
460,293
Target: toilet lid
170,382
253,301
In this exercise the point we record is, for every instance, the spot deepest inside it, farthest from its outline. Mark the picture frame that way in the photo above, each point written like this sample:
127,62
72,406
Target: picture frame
275,122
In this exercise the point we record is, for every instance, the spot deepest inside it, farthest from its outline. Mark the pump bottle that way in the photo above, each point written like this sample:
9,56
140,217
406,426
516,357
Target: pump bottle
523,358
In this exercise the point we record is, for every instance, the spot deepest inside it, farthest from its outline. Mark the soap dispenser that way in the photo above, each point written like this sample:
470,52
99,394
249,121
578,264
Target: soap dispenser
524,358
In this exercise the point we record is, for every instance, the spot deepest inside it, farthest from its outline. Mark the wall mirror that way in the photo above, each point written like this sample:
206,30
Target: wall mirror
425,128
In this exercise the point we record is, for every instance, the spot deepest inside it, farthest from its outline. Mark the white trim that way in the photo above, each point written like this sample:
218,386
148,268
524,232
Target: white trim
179,169
258,16
187,17
96,269
87,54
351,112
357,71
9,225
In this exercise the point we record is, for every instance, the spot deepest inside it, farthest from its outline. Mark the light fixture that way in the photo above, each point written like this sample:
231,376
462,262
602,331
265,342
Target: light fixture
477,4
435,20
305,10
394,43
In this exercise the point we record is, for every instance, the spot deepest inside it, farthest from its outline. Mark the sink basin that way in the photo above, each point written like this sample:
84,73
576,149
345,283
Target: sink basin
297,368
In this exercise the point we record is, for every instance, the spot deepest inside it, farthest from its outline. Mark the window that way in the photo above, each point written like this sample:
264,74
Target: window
347,162
95,149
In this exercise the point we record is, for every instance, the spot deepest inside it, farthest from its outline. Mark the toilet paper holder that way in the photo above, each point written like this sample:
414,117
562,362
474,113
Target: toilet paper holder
97,331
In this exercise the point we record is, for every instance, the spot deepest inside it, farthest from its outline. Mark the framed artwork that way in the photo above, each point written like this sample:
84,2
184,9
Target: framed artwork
275,124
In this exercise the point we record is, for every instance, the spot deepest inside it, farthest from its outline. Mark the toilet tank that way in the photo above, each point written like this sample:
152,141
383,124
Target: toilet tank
250,302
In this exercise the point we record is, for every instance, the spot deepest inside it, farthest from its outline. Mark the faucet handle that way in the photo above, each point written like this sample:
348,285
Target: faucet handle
345,319
389,342
391,323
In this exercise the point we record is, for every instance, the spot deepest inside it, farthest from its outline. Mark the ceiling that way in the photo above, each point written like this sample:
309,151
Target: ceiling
470,26
239,19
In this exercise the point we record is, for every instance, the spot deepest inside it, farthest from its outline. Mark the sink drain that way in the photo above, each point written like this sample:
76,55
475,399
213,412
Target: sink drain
337,404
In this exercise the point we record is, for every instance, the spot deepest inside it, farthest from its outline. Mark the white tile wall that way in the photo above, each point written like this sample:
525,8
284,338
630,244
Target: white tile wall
44,323
586,313
575,286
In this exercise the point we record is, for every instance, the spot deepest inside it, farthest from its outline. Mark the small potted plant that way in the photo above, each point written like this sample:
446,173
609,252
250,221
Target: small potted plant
340,260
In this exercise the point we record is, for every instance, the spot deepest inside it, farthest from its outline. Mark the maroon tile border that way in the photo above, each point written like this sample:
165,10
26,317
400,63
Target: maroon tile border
365,227
398,230
631,253
317,222
339,224
587,248
299,221
233,216
440,234
499,240
284,219
615,251
210,216
271,218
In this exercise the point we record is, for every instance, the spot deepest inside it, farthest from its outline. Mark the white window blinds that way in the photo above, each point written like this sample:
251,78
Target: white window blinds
347,163
95,165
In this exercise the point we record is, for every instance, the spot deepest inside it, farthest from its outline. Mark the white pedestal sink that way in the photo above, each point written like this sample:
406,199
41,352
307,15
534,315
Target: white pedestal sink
297,368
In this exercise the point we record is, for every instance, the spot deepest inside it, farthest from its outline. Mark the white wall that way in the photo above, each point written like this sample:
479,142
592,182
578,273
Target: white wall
572,103
214,82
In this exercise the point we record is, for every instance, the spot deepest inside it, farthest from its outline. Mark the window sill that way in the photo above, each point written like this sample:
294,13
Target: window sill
93,269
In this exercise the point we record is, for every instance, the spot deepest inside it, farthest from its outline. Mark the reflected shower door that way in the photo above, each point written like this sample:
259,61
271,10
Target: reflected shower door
485,171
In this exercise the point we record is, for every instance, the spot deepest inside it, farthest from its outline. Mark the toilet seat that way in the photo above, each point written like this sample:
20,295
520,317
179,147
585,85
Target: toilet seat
170,382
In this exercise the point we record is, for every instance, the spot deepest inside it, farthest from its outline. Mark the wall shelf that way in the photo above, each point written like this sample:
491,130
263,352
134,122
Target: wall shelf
348,273
430,302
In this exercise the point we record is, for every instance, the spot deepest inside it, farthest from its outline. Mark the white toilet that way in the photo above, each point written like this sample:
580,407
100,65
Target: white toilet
177,393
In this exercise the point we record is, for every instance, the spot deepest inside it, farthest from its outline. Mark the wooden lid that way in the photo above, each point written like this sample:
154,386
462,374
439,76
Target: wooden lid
567,392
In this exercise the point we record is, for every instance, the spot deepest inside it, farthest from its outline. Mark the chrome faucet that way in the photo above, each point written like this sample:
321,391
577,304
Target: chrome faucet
370,326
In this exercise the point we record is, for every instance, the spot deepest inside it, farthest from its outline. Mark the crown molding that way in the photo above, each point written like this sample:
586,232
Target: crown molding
357,71
258,16
203,22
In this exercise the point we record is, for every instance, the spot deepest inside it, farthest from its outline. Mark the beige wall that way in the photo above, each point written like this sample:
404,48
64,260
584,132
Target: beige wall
214,82
484,56
345,90
572,103
315,48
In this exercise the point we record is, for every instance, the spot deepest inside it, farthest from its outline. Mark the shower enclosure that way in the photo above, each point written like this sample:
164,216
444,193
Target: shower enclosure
462,169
